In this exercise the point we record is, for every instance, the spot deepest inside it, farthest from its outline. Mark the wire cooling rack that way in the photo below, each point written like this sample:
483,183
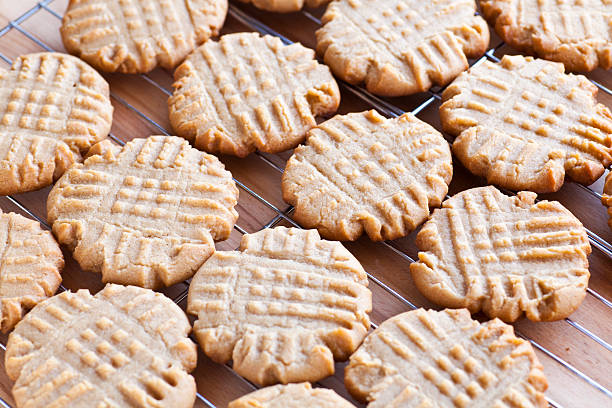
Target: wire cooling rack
249,18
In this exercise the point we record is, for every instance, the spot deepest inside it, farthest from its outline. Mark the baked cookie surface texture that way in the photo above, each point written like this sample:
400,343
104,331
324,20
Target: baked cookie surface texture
283,307
123,347
285,6
246,92
576,33
400,47
30,267
361,172
145,214
135,36
524,124
426,358
291,396
53,108
506,256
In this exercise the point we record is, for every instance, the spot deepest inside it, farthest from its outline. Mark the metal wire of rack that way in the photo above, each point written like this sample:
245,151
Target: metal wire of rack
381,105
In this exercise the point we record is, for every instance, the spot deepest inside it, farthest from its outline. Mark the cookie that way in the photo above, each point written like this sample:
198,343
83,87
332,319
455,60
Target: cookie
136,36
361,172
291,396
503,255
30,267
53,108
247,92
524,124
428,358
606,198
125,346
283,307
576,33
285,6
144,214
400,47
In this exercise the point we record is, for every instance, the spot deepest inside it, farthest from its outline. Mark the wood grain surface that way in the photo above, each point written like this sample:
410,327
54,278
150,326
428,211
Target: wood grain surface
575,352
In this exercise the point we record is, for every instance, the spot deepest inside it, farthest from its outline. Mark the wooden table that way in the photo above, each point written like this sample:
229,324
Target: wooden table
575,352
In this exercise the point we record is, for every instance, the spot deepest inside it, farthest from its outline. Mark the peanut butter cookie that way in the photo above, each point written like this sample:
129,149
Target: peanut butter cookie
401,47
503,255
144,214
283,307
123,347
30,267
291,396
524,124
247,92
426,358
285,6
576,33
53,108
136,36
361,172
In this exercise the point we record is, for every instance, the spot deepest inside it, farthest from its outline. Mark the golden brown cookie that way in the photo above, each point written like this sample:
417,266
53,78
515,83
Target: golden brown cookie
285,6
426,358
291,396
283,307
144,214
503,255
401,47
606,198
576,33
123,347
53,108
361,172
247,92
524,124
30,267
136,36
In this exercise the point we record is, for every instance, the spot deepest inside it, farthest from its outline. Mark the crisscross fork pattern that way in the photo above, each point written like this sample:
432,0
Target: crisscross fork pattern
504,255
282,308
248,92
445,358
575,32
362,172
30,264
528,135
53,107
397,47
125,346
136,35
152,206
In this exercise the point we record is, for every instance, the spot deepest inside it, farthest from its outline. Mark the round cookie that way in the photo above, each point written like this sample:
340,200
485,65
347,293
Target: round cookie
291,396
247,92
524,124
144,214
125,346
282,308
576,33
503,255
361,172
136,36
426,358
400,47
30,267
606,198
285,6
53,108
